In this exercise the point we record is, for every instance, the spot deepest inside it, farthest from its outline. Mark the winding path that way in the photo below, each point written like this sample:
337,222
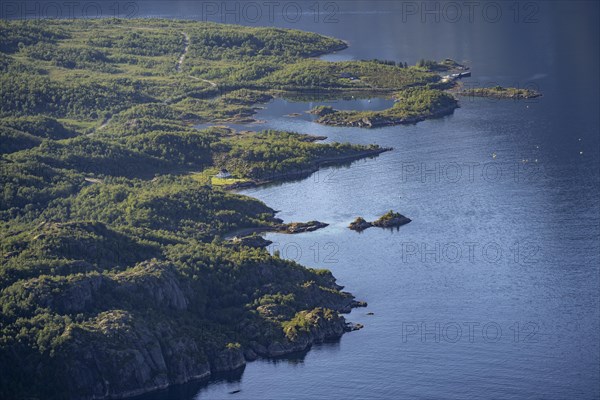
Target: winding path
187,42
209,82
202,80
185,51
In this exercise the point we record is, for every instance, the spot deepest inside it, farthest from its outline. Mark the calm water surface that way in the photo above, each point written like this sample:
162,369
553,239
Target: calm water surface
492,290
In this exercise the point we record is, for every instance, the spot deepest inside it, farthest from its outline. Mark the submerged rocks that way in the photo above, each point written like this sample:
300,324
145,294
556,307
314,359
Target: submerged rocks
389,220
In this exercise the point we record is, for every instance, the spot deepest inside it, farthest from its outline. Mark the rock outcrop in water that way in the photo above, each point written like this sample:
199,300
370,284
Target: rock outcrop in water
359,224
391,219
388,220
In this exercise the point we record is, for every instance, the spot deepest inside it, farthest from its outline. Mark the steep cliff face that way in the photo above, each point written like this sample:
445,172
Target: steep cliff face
154,285
132,332
122,357
229,359
118,356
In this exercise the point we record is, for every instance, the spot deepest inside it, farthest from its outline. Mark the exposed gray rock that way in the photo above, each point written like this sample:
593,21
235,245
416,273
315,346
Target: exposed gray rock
155,281
229,359
359,224
124,358
389,220
250,355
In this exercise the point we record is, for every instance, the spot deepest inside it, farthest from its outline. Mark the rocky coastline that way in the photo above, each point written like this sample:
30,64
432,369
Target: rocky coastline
132,354
304,172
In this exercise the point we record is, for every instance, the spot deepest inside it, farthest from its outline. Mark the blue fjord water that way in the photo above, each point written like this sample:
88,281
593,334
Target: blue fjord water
493,290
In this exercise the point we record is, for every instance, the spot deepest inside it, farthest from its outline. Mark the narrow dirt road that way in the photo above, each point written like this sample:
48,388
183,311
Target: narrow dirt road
185,51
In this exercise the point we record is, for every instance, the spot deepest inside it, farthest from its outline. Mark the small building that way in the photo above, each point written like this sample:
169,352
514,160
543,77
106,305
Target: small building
223,174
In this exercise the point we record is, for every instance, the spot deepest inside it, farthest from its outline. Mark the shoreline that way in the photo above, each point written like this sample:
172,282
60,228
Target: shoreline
316,336
302,173
204,380
282,178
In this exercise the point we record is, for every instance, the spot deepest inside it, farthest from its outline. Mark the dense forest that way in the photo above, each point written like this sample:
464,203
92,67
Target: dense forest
115,277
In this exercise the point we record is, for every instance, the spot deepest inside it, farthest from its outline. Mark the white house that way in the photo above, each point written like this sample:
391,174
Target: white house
223,174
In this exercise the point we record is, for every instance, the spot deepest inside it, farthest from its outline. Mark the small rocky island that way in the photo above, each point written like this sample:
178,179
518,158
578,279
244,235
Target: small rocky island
390,219
499,92
360,224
